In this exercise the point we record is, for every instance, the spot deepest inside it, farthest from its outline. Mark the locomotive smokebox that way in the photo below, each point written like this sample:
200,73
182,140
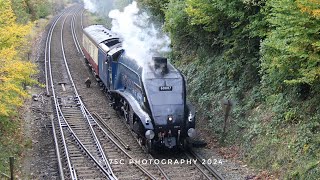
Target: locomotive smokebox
160,65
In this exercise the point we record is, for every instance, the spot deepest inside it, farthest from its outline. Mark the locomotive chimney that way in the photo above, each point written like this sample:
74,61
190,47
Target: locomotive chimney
160,65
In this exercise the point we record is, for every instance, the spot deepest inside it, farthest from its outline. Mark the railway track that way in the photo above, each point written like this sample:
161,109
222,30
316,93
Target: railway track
77,145
168,164
181,165
86,147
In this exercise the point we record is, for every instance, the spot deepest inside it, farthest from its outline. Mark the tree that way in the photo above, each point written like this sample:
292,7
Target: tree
290,52
156,7
14,73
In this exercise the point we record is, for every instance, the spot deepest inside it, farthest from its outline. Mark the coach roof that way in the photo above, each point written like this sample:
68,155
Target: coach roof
99,33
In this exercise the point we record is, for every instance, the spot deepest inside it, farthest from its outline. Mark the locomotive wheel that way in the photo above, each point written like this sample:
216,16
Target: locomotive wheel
149,146
115,102
109,95
126,111
128,114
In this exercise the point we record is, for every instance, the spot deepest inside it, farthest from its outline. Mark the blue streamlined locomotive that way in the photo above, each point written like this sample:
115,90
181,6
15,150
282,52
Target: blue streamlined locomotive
152,98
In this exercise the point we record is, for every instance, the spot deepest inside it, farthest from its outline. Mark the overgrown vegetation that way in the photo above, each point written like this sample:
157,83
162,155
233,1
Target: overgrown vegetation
263,55
15,70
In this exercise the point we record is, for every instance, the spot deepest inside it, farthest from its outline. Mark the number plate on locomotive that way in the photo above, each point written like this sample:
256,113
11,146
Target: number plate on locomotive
165,88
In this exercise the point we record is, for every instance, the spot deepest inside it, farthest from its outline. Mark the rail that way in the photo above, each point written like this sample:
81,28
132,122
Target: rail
208,167
48,61
107,171
101,163
99,118
123,150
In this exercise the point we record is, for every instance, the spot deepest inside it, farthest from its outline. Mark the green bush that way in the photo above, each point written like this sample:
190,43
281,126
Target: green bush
21,10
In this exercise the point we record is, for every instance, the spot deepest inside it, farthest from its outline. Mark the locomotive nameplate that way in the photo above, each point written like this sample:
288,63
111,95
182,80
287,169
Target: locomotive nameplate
165,88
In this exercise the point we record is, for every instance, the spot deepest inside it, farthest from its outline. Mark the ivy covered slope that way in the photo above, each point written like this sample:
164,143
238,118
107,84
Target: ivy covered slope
265,56
15,74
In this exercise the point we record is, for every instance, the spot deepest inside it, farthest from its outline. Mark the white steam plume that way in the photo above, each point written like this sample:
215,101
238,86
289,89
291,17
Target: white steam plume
99,7
90,5
141,40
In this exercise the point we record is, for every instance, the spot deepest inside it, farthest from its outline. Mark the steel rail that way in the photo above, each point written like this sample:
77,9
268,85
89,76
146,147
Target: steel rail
72,173
81,145
198,166
125,152
99,118
57,150
157,165
87,115
208,167
81,22
74,33
109,173
161,169
46,48
47,89
104,159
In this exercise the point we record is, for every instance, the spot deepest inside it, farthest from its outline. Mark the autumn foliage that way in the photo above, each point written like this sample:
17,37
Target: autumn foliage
15,72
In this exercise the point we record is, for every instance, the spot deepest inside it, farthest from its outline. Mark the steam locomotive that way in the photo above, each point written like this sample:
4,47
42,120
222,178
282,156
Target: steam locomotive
151,98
